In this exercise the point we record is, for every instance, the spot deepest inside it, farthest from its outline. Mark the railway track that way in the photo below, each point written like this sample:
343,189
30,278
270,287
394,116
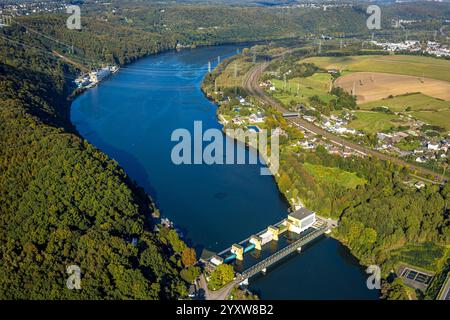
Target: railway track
251,84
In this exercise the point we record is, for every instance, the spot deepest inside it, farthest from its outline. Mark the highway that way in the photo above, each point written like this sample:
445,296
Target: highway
251,84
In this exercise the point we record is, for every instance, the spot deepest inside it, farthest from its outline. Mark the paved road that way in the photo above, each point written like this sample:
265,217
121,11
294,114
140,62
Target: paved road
251,84
221,294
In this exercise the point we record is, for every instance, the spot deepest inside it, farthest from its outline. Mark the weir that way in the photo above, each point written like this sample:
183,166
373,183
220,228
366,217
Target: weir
257,252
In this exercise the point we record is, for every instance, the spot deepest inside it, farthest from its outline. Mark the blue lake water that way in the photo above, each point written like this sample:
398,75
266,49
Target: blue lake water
131,117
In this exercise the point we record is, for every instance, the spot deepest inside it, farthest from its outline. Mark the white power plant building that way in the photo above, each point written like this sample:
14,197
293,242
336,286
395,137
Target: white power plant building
300,220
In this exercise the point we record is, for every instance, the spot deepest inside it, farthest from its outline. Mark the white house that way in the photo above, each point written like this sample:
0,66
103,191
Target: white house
421,159
419,185
433,146
256,118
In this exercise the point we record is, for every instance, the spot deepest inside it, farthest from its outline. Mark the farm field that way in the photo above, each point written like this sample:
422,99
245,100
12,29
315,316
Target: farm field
417,66
412,102
400,82
317,84
373,86
373,122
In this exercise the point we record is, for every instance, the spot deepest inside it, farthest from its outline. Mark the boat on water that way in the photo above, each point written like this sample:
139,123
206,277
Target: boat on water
92,78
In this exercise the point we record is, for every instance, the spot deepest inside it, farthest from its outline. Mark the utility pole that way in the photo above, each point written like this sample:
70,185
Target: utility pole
443,173
209,66
235,77
218,59
298,88
320,46
254,57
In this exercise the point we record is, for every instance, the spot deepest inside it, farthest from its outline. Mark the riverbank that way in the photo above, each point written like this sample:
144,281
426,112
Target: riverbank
294,203
319,173
214,97
205,201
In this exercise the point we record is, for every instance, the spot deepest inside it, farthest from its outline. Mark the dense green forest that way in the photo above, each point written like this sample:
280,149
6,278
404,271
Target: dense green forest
203,23
63,202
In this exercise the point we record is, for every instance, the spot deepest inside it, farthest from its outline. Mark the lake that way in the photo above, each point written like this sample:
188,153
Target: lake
131,117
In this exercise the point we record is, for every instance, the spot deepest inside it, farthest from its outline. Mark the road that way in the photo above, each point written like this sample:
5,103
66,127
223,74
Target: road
221,294
251,84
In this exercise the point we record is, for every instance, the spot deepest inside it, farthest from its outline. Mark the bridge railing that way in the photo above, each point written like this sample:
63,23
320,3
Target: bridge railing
280,254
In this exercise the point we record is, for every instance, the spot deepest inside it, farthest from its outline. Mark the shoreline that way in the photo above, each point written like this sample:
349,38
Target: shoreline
291,206
254,149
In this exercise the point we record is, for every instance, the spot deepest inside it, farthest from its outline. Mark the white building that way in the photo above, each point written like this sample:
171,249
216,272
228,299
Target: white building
256,118
216,260
300,220
419,185
421,159
433,146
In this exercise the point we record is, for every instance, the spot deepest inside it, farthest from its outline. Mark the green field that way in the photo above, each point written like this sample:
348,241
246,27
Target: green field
408,146
440,118
317,84
426,256
328,175
427,109
373,122
398,64
414,102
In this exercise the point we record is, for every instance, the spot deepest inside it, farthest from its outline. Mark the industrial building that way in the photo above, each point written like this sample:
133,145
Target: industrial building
300,220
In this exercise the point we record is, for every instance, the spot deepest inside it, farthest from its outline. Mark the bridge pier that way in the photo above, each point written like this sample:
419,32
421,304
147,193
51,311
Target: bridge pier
244,283
275,231
277,256
238,250
299,249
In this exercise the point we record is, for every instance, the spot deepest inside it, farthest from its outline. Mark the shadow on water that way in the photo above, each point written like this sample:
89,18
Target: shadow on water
126,160
134,168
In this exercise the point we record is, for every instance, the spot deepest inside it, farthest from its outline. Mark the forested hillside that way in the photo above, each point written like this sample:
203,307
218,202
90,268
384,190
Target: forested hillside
205,23
62,201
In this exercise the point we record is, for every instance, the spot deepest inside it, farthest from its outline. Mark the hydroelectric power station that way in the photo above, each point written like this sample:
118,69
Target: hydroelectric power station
256,253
